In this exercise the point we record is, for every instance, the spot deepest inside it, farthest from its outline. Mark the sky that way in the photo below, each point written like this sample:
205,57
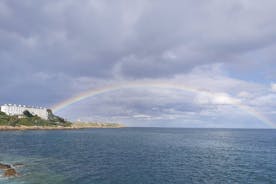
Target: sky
53,50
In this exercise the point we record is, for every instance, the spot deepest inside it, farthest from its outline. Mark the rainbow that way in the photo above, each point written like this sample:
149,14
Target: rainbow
163,85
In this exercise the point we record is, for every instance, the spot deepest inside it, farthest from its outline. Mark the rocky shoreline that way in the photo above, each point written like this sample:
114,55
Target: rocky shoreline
9,170
73,127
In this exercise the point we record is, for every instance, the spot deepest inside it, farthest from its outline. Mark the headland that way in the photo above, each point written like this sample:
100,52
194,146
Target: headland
18,117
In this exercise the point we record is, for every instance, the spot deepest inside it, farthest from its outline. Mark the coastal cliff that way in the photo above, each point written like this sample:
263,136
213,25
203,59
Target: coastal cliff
30,122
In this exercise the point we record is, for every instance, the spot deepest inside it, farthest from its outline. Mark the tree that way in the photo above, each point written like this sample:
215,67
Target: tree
28,114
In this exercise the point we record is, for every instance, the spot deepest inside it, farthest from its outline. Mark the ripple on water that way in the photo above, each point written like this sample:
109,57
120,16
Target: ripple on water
137,155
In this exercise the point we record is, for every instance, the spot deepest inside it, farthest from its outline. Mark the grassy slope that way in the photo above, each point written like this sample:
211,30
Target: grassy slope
6,120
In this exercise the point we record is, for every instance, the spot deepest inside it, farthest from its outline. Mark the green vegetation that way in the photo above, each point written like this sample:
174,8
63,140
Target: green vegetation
30,120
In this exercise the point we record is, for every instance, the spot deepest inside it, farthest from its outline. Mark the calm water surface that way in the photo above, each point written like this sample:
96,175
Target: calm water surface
141,156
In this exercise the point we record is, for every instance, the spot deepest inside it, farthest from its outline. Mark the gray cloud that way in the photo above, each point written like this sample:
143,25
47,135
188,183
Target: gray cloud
50,50
84,37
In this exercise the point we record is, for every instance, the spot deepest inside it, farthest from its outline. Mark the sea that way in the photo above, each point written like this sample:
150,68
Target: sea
140,156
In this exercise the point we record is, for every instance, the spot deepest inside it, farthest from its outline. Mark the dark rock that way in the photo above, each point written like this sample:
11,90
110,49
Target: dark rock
10,172
4,166
16,165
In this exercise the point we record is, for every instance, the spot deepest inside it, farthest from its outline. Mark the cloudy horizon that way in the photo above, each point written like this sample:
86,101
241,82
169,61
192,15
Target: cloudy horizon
51,51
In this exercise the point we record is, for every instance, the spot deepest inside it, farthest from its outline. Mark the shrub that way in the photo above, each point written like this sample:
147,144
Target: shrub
28,114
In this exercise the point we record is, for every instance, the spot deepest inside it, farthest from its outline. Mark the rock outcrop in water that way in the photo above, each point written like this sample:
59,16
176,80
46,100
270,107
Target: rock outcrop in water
9,171
4,166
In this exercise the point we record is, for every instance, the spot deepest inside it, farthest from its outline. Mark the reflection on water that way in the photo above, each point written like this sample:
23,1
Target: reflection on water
141,155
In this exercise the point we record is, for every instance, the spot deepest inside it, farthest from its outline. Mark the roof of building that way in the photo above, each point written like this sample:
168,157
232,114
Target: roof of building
25,106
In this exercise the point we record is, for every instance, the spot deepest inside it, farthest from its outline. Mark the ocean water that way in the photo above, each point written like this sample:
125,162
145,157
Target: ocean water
141,156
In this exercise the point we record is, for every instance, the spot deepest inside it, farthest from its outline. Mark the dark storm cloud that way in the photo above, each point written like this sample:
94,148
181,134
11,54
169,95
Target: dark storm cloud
139,39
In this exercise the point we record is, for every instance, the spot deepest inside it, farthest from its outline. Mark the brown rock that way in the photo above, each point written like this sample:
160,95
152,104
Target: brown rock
4,166
10,172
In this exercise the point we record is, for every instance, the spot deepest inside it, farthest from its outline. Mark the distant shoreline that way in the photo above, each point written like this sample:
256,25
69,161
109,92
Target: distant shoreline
17,128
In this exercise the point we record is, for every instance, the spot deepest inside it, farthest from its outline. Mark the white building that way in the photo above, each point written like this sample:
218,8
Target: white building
18,110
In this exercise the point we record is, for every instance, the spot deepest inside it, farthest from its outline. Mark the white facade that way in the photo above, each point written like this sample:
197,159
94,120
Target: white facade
18,110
